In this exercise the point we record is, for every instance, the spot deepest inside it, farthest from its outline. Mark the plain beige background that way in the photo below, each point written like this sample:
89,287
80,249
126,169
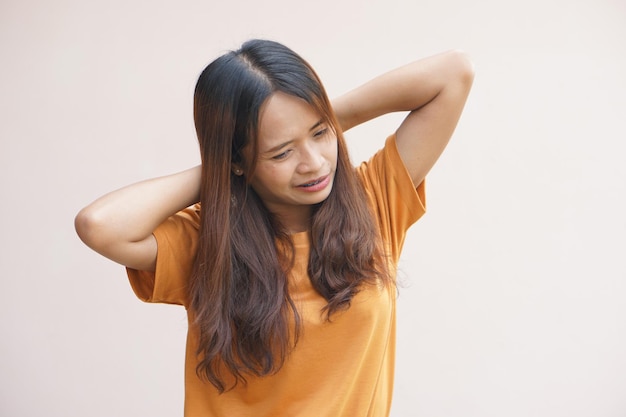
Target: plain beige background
515,280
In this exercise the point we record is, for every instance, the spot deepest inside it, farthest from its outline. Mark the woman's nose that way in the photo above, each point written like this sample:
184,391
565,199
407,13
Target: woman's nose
311,159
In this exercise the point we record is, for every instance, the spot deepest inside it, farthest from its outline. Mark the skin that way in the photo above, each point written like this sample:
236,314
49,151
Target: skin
433,90
296,162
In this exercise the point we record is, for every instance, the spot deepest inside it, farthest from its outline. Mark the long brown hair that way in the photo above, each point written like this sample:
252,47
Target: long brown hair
239,297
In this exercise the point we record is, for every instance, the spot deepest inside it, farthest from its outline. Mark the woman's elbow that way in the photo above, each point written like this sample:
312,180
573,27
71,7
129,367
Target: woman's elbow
90,228
463,66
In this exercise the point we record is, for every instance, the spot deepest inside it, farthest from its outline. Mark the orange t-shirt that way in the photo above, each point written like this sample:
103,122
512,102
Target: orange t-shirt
344,367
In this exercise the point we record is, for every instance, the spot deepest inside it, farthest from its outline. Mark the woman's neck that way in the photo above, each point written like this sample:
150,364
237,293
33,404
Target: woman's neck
296,221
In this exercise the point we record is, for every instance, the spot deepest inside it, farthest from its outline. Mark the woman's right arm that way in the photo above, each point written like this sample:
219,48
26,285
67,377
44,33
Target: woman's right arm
119,225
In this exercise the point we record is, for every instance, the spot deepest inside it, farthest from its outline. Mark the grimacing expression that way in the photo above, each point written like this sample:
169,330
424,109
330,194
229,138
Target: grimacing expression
297,156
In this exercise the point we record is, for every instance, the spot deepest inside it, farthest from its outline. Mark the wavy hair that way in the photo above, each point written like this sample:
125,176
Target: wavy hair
238,297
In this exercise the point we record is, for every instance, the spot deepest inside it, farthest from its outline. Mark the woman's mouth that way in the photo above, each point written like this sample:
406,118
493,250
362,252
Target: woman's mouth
316,184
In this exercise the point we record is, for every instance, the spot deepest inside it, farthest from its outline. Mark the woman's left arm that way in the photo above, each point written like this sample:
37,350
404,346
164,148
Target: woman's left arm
433,90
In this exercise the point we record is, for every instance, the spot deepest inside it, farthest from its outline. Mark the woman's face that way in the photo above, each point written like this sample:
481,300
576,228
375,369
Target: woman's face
296,161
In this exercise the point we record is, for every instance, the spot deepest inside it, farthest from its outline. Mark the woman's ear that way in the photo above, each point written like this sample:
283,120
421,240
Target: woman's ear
237,169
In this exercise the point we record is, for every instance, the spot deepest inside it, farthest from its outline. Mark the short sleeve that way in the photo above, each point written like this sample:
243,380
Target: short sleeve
177,240
396,202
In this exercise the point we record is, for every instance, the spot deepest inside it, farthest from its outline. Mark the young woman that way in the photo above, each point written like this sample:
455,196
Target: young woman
282,252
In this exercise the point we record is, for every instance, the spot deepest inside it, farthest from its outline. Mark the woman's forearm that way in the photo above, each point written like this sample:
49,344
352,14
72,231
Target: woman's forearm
407,88
117,223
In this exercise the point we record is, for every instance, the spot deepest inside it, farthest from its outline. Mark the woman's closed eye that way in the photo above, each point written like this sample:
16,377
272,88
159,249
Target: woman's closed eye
318,134
321,132
282,155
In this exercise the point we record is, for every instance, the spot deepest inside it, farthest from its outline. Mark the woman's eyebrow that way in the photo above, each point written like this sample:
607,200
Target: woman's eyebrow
319,122
278,147
282,145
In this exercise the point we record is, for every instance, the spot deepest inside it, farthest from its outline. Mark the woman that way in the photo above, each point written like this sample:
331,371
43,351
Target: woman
283,254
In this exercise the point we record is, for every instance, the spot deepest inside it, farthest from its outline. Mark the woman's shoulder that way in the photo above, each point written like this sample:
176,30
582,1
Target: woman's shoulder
189,215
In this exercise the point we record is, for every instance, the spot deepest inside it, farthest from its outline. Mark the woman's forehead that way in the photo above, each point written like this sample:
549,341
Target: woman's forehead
285,118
